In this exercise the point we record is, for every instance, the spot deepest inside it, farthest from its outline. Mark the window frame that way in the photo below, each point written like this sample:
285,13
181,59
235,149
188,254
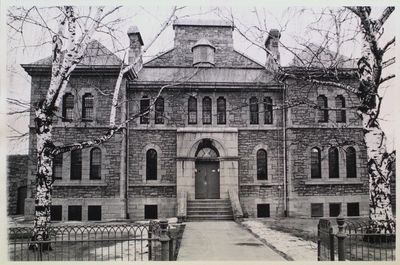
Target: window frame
77,162
333,163
319,175
67,108
358,206
221,110
145,106
85,108
323,113
89,211
192,110
57,165
97,166
207,110
340,104
322,210
259,159
70,207
159,109
151,166
254,110
351,169
268,111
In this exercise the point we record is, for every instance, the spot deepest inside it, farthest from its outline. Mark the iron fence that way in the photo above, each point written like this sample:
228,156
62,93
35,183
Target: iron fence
120,242
354,239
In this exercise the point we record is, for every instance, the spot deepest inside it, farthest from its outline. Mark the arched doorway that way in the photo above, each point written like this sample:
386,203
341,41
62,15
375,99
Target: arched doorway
207,180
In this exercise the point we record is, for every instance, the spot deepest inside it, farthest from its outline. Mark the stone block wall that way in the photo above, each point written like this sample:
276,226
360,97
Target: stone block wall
17,173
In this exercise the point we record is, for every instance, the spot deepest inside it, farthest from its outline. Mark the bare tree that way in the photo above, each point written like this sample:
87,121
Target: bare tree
69,40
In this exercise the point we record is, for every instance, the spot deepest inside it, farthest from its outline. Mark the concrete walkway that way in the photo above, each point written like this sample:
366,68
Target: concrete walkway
222,240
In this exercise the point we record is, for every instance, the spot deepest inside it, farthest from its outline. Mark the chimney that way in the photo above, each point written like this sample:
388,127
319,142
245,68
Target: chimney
135,45
272,44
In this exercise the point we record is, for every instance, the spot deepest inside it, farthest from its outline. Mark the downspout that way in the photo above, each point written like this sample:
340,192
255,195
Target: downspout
285,193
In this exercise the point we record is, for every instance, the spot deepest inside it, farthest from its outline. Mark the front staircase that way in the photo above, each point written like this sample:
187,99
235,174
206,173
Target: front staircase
209,209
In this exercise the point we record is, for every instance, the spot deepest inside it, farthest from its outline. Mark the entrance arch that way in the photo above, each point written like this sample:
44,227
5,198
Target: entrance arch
207,177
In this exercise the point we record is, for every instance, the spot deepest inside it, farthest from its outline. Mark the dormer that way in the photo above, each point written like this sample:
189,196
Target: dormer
203,53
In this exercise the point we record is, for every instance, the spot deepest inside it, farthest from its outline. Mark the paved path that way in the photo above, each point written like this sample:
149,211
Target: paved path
222,240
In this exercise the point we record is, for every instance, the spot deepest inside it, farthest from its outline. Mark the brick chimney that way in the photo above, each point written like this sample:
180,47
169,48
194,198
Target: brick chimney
135,45
272,44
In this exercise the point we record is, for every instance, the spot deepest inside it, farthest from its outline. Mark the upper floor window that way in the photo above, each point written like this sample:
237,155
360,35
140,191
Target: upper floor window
262,172
340,109
76,164
95,163
159,107
351,167
221,110
207,110
268,115
151,164
87,107
57,166
253,110
192,110
333,157
144,110
315,163
322,103
68,107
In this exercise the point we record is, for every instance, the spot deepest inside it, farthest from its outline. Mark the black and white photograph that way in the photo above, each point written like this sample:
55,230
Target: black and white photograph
202,131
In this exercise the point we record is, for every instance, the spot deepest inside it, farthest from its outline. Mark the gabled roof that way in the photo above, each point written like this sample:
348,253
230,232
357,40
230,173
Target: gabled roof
95,54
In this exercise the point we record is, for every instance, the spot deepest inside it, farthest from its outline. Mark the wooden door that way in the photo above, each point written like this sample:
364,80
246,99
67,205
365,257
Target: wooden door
207,180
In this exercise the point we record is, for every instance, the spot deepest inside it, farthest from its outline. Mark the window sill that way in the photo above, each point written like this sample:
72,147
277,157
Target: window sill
333,182
80,183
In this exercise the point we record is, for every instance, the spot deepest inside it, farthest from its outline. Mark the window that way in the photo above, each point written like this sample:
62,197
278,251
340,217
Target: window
144,110
159,115
207,110
322,104
56,213
334,209
87,107
95,163
74,213
317,210
268,115
340,109
203,53
263,210
192,110
151,164
221,110
315,163
150,212
57,166
353,209
94,213
351,166
333,162
76,164
68,107
262,173
253,110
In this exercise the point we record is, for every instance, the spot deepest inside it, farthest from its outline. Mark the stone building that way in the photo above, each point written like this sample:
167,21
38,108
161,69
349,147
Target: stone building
17,172
213,123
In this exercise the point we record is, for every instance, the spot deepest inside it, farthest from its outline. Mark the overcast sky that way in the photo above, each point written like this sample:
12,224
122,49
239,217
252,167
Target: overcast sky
149,18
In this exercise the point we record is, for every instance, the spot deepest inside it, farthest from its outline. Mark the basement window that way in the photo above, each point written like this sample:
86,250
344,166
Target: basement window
56,213
317,210
74,213
263,210
150,212
353,209
94,213
334,209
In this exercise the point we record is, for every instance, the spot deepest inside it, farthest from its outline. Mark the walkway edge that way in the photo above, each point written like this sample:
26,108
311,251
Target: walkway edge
282,254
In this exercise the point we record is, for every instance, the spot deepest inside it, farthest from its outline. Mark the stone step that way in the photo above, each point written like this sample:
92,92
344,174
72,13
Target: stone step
190,213
209,217
209,208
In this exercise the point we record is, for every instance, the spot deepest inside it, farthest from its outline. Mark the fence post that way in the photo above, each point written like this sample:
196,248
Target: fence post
319,243
332,244
341,235
150,242
164,239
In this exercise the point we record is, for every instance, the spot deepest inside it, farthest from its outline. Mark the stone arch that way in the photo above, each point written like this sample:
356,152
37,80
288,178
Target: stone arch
216,143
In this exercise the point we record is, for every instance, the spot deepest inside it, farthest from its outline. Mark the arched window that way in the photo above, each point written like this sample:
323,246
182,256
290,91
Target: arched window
221,110
333,157
340,109
268,115
207,110
57,166
351,166
322,103
151,164
159,115
315,163
192,110
262,172
144,110
87,107
253,110
76,164
95,163
68,107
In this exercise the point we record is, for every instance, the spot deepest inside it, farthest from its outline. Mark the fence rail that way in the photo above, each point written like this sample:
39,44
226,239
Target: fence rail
121,242
354,240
